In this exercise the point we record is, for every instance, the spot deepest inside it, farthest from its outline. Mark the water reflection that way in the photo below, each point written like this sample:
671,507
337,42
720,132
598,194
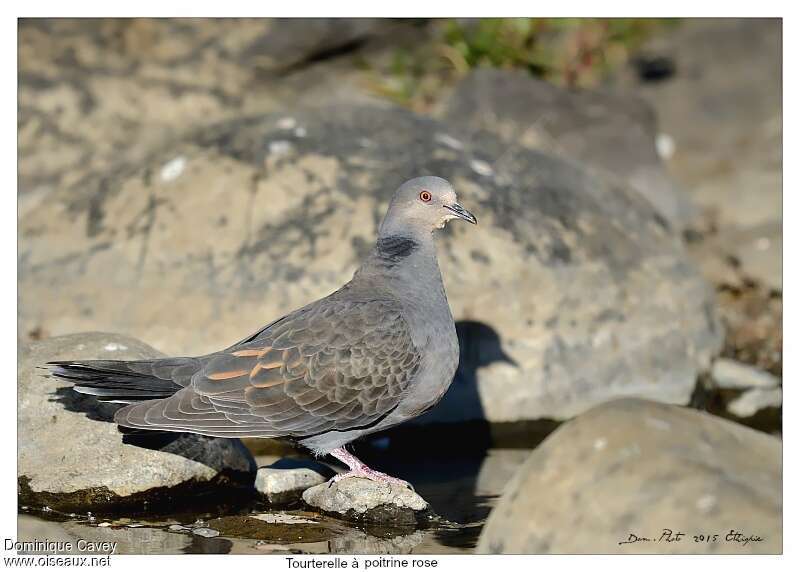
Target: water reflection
461,489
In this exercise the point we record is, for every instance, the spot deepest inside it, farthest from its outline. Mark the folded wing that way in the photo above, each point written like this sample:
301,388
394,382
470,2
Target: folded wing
334,365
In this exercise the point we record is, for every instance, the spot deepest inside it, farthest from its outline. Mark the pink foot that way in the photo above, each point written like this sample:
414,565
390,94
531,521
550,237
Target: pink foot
359,469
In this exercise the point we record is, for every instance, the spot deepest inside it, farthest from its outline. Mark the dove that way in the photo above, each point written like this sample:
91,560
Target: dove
380,350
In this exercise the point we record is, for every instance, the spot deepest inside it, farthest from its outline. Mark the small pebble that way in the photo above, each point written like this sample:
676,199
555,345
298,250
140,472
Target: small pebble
282,484
731,374
763,243
104,524
449,141
754,400
178,528
173,169
706,503
665,146
280,148
481,167
286,123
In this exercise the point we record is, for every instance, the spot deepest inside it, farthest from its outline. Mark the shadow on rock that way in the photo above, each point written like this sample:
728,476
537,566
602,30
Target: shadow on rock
195,448
480,345
86,404
163,441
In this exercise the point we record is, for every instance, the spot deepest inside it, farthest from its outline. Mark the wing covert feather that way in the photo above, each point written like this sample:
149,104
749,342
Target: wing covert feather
334,365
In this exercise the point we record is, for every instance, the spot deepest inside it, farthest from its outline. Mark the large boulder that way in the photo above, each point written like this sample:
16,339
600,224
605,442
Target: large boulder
723,109
569,292
72,457
94,91
633,476
611,131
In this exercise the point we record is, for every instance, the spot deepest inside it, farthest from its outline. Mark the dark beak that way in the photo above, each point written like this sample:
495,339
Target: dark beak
461,213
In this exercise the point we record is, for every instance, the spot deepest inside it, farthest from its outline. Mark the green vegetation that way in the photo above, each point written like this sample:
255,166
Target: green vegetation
576,52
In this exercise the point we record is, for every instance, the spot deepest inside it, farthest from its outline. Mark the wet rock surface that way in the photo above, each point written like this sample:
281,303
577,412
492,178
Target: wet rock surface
611,131
284,532
285,216
632,467
71,455
364,500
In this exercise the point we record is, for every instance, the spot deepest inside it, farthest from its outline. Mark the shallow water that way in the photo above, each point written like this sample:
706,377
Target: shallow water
461,489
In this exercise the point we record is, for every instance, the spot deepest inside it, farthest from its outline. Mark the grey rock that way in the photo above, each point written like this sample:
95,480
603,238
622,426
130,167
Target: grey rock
549,233
96,468
497,468
727,127
81,79
637,467
288,42
205,532
178,528
754,400
611,131
285,480
365,500
731,374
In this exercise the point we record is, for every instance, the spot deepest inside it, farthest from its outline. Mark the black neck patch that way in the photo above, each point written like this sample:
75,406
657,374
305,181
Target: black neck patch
393,249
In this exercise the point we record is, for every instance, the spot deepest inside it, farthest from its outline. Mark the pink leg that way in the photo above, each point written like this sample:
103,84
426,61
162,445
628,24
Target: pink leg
359,469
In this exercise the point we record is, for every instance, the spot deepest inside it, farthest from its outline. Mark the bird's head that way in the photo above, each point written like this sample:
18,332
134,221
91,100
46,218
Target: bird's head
423,205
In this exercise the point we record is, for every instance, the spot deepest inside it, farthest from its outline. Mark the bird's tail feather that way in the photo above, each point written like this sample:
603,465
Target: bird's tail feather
117,381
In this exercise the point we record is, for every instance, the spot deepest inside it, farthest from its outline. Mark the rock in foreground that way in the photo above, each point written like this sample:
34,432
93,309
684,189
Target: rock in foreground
284,481
633,468
72,457
364,500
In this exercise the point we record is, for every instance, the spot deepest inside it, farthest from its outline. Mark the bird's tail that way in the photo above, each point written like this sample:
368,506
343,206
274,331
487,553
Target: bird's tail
126,381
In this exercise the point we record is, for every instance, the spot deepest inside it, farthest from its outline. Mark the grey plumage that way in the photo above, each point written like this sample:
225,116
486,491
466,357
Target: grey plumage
378,351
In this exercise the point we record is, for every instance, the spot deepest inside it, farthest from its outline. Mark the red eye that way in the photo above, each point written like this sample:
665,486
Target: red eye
425,197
